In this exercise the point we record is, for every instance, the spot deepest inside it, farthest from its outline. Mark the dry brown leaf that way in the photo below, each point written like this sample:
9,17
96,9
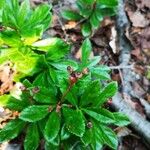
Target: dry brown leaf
6,78
70,25
138,19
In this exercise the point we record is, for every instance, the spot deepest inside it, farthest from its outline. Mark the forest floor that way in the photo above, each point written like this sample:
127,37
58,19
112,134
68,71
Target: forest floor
131,70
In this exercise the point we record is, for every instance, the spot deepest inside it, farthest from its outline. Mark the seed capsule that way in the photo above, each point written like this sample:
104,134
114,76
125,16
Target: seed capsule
85,71
69,69
89,124
22,88
72,80
35,90
78,75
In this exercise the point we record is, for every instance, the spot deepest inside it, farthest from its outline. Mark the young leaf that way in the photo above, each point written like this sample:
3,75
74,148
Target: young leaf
55,48
34,113
11,130
52,127
32,138
121,119
74,121
86,29
107,93
86,50
109,137
70,15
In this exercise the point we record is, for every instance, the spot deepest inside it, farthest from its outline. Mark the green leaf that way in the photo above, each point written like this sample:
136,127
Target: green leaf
90,94
88,1
121,119
52,127
24,12
86,51
40,17
49,146
110,3
32,138
11,130
63,64
44,95
107,92
16,104
11,38
84,9
100,72
94,61
55,48
86,29
94,20
4,99
71,15
64,133
74,121
100,116
34,113
92,137
109,137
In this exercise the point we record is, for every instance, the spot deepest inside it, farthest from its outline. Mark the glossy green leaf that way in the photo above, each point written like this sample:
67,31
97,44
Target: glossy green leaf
110,3
11,130
64,133
93,137
100,115
108,136
32,138
74,121
16,104
70,15
94,20
44,95
49,146
90,94
24,12
121,119
107,92
86,29
100,72
55,48
86,51
52,126
85,10
63,64
11,38
34,113
94,61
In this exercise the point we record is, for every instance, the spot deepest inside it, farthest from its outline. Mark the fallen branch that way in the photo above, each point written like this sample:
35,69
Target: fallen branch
140,124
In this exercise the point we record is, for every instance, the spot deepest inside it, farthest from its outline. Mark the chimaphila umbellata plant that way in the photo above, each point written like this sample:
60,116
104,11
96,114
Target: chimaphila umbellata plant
61,100
90,13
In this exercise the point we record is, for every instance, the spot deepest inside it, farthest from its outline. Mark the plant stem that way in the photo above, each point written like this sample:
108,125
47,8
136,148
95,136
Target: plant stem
66,92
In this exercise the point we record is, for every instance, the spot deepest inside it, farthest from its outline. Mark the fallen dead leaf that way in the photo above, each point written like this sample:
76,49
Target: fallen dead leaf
138,19
6,78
